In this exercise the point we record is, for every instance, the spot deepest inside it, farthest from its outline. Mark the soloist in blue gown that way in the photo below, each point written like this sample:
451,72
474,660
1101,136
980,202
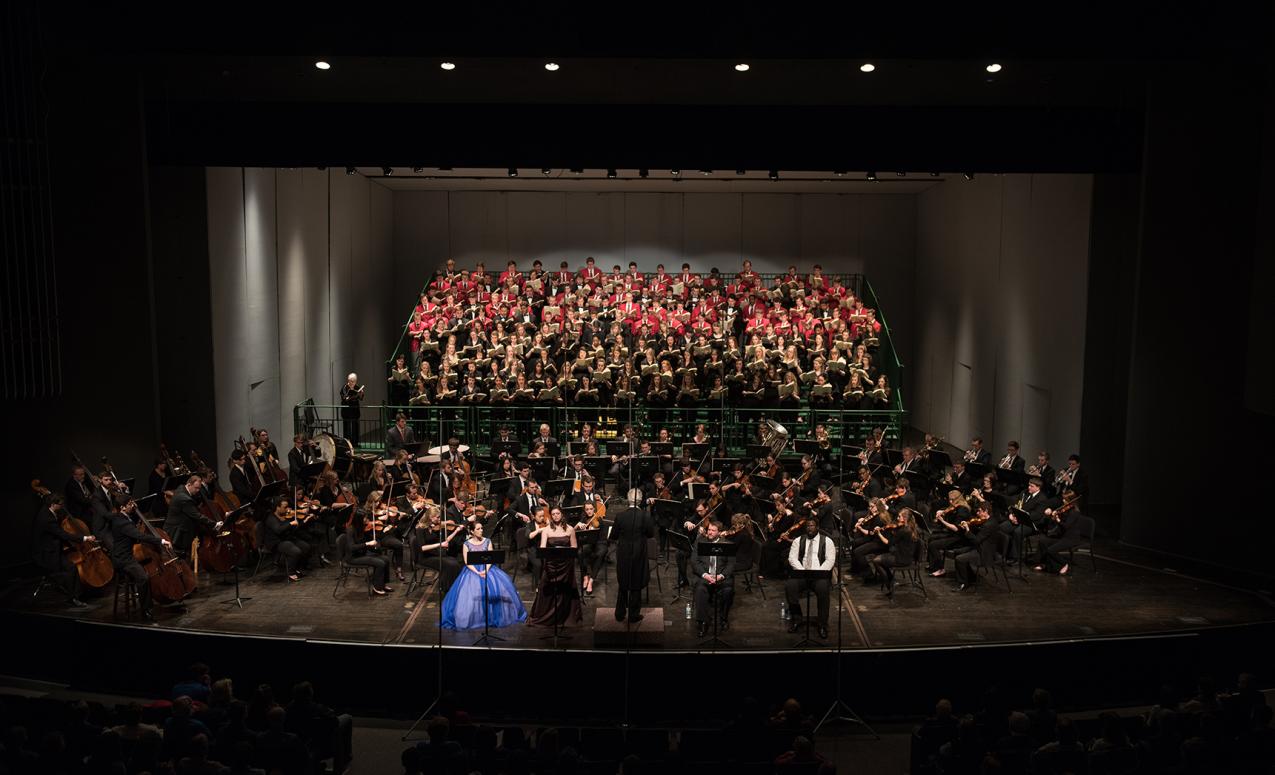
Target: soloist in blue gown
463,606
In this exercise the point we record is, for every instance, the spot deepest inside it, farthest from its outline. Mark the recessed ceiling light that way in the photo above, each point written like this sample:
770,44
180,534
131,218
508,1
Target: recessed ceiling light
867,67
448,65
387,171
322,65
742,67
611,172
993,68
674,172
774,174
350,171
551,66
513,172
872,176
545,170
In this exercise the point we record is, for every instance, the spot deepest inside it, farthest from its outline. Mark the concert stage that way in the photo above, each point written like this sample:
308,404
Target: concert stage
1105,636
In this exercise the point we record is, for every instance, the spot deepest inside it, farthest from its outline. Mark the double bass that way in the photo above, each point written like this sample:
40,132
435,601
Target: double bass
267,463
91,561
171,578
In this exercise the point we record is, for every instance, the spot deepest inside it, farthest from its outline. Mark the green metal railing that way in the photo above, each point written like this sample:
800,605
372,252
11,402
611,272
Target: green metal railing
887,357
477,425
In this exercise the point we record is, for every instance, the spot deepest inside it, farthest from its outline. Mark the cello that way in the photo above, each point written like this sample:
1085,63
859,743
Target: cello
171,577
269,465
92,564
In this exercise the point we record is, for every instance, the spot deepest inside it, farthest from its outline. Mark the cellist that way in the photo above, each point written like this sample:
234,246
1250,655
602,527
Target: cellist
126,534
49,540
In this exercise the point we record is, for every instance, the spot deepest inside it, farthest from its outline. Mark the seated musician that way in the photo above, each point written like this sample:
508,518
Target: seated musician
981,549
50,539
713,580
364,541
400,436
124,529
948,531
899,539
1062,536
1034,502
812,550
283,536
865,537
593,556
435,546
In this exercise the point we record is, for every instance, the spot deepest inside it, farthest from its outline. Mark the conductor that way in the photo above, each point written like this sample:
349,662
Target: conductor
633,528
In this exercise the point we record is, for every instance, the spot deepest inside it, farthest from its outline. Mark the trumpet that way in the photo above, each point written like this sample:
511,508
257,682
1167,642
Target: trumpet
970,455
1033,470
1006,461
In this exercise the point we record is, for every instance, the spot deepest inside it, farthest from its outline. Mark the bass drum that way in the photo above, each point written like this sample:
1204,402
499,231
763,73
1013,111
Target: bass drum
337,452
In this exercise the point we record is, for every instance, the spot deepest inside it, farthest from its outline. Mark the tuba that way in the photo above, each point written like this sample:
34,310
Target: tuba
775,436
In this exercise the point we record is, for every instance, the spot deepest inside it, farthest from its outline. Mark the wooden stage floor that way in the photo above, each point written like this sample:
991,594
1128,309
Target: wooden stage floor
1131,594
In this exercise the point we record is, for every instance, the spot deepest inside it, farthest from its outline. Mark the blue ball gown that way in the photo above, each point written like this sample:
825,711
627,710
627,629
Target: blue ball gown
463,606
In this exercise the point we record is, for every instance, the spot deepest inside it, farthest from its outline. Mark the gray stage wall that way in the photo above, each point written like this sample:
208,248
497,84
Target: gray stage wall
998,311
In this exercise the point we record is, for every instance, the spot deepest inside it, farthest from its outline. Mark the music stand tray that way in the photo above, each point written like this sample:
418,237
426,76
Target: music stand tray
807,446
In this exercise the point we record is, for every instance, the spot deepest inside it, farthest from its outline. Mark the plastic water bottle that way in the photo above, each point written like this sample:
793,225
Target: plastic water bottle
783,610
688,611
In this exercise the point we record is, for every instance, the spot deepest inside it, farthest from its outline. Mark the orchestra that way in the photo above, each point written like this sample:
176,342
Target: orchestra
670,344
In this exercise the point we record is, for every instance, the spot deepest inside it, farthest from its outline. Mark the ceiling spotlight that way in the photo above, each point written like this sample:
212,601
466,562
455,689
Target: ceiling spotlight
742,67
969,176
551,66
350,170
706,172
643,173
774,174
545,170
448,65
577,170
513,172
387,171
900,174
867,67
323,168
418,170
934,174
322,65
674,172
610,172
839,173
872,177
741,172
993,68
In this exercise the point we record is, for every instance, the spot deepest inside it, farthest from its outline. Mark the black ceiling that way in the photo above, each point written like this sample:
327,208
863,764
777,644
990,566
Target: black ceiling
648,89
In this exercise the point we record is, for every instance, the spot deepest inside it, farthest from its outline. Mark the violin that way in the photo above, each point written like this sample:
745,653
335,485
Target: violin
92,564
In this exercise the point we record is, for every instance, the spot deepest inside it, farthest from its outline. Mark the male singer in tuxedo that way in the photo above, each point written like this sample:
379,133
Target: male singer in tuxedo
399,436
632,532
712,574
813,550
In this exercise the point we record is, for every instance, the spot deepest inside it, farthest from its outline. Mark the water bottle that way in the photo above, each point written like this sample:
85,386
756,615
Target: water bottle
688,611
783,610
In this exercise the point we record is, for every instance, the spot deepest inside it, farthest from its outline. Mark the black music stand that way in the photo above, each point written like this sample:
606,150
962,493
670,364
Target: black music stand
757,451
807,447
490,559
662,448
1023,519
813,574
541,468
512,448
548,553
839,710
680,542
229,523
311,472
647,465
723,549
694,451
269,492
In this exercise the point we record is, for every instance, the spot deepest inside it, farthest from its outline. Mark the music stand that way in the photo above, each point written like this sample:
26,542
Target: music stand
311,471
1023,519
269,492
812,574
724,464
695,452
647,466
490,559
807,447
723,549
598,466
757,451
512,448
229,523
839,710
662,448
680,542
548,553
541,468
556,487
939,460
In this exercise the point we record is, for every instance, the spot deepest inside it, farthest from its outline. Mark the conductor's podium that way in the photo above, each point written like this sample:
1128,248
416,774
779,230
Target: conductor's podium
646,634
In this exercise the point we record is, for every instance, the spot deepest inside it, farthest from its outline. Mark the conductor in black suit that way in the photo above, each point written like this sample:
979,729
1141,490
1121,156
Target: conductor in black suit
632,531
184,519
47,550
712,574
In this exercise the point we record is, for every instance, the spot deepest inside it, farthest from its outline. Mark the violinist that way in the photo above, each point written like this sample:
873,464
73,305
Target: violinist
780,529
865,536
736,490
50,539
283,536
902,496
1063,535
683,478
434,543
809,478
127,534
593,556
952,525
981,550
184,519
363,541
866,485
900,540
401,468
241,482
